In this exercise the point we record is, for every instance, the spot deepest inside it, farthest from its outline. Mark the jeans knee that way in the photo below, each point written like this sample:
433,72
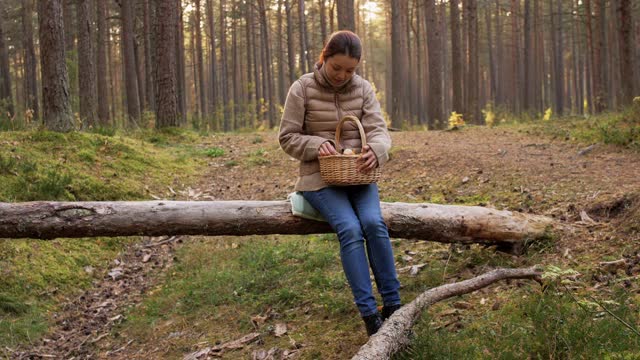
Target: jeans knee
374,227
350,235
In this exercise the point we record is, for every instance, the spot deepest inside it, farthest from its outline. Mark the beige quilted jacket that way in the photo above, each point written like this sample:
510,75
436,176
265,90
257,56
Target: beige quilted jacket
311,113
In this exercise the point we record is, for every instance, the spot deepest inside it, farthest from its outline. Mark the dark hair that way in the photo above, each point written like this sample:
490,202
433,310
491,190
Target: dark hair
342,42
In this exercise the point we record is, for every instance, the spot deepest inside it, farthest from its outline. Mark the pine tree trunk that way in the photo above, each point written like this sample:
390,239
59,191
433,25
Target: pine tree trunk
282,88
101,63
258,63
527,99
492,64
419,110
595,46
31,80
559,60
473,106
399,59
290,42
55,80
456,57
149,61
346,15
500,61
434,43
166,79
69,29
131,76
625,45
200,59
86,66
323,20
235,79
305,64
250,62
6,97
538,58
270,94
223,68
575,57
180,66
215,100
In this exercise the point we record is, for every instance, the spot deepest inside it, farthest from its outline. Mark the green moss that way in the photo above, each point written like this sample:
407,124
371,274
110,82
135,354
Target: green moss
35,276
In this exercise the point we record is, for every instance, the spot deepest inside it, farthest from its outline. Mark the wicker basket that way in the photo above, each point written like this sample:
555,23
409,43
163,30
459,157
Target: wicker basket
342,169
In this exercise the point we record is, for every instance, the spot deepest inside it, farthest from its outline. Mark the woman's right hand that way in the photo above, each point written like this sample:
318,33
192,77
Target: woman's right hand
327,149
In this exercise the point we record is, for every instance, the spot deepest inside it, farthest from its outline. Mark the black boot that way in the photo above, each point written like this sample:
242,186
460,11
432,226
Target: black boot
373,323
387,311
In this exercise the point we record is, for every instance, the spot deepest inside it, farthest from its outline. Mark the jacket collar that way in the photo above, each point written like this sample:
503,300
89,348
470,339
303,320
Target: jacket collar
320,76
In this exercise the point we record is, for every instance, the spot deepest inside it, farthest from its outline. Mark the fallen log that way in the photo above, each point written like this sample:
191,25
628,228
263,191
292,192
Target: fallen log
394,334
442,223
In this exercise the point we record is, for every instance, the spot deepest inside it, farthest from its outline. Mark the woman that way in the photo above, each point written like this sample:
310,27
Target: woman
315,104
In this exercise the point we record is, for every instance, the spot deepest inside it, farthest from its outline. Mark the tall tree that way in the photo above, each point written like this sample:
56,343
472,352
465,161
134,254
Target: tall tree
101,63
434,43
346,15
56,108
180,65
626,50
500,60
31,83
86,66
595,45
149,59
492,63
527,98
5,76
166,80
456,56
202,101
281,86
323,20
305,62
399,63
131,75
223,67
473,104
559,60
291,59
214,98
270,95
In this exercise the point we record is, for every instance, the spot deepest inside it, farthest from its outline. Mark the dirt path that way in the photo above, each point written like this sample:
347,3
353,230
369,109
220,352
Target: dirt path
501,168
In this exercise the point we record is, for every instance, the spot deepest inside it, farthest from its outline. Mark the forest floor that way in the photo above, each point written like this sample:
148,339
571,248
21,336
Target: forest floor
141,308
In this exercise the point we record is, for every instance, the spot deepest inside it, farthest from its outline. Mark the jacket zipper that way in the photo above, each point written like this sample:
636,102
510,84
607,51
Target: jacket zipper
337,103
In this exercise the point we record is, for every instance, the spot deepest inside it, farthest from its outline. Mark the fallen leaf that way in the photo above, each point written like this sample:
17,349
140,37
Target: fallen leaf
281,329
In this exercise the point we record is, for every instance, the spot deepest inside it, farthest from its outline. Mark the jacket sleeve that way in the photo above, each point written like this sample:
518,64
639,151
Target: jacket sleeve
374,125
291,136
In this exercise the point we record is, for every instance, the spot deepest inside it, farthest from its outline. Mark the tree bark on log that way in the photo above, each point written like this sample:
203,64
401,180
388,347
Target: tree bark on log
442,223
394,334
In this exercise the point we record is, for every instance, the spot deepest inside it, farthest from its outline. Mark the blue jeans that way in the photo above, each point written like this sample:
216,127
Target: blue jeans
354,214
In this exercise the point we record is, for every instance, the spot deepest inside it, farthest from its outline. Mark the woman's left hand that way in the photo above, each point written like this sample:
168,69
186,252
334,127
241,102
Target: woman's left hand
368,161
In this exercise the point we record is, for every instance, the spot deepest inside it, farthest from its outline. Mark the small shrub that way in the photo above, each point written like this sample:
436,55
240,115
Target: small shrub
87,156
214,152
7,165
231,163
257,140
455,120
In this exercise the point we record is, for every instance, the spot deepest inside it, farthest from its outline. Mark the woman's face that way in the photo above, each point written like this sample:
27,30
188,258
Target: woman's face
340,68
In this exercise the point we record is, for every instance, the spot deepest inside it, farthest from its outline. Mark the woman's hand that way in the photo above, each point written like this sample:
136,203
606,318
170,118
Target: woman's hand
327,149
368,161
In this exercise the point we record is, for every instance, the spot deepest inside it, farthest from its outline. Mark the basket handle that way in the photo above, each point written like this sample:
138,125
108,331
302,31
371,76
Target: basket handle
360,129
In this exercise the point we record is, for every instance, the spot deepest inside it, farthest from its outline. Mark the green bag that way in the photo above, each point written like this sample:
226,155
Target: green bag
301,207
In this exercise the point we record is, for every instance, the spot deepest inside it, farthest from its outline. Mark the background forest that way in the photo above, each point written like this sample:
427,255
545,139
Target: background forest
227,64
131,100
